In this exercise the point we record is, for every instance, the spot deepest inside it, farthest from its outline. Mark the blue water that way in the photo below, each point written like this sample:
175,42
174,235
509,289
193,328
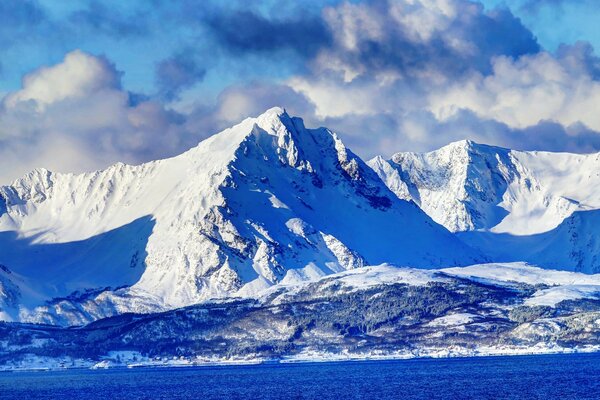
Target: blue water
524,377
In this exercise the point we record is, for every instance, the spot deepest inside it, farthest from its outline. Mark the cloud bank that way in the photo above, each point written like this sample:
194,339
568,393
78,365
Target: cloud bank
75,116
387,75
419,74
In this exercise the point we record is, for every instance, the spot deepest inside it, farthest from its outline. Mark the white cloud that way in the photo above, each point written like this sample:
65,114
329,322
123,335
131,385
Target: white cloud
80,74
523,92
416,74
74,116
333,98
402,75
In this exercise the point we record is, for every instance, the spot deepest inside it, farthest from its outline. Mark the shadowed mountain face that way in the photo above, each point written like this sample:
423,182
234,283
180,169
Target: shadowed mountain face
3,208
574,245
42,271
114,258
264,202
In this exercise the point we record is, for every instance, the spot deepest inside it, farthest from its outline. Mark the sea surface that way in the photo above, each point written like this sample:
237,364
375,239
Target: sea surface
575,376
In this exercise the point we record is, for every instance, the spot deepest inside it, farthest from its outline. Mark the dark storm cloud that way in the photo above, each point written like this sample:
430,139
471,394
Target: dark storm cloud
499,32
247,32
543,136
178,73
387,133
580,55
410,42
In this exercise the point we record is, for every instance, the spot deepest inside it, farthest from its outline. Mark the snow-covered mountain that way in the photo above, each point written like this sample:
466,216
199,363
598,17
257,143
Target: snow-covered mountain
535,206
260,203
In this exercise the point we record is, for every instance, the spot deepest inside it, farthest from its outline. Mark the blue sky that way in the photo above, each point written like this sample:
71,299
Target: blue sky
556,21
136,35
89,83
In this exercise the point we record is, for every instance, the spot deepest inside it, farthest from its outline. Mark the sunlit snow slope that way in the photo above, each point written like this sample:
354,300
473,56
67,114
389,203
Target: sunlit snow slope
248,207
538,207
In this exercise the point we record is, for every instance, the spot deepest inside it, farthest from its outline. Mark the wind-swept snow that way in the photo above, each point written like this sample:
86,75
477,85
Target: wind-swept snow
563,285
386,275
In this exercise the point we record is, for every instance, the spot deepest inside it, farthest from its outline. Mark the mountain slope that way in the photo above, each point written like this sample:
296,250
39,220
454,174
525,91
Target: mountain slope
263,202
513,205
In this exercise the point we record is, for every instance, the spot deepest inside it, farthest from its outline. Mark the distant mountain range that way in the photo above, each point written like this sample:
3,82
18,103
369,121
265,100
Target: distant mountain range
258,216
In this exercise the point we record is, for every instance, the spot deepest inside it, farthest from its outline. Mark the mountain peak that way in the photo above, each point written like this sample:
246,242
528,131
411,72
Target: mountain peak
458,185
462,143
535,206
272,119
470,146
272,113
229,217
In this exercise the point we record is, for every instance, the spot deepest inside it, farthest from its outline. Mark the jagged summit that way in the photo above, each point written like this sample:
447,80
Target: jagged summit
263,202
236,134
271,116
458,185
514,205
471,145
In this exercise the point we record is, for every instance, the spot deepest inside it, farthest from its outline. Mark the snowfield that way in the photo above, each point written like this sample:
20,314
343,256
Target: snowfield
523,273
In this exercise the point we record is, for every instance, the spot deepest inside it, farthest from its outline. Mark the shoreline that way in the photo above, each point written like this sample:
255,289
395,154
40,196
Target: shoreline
325,358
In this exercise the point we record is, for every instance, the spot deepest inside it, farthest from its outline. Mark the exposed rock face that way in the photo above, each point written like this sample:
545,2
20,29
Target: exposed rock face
232,216
538,207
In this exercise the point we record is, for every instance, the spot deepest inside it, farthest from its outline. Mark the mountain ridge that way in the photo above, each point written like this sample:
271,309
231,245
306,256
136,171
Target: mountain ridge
512,205
265,201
